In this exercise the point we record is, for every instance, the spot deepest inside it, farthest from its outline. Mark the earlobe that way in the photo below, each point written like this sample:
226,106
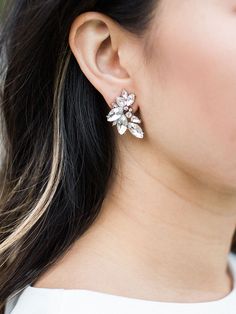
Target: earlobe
95,42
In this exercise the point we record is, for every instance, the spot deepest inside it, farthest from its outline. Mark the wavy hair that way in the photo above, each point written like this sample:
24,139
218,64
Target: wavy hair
59,150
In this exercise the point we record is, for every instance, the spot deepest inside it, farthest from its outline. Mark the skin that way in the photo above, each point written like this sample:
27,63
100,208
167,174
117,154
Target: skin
167,222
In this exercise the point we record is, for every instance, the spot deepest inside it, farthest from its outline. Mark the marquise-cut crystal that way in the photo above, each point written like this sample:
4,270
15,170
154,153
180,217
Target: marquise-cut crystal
124,93
122,124
125,99
121,101
130,99
135,119
135,129
115,114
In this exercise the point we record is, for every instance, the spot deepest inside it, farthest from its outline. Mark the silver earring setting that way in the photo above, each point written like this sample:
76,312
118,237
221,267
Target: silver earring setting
122,111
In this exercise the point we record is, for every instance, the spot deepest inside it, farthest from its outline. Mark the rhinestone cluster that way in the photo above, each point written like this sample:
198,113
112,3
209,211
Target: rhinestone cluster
122,111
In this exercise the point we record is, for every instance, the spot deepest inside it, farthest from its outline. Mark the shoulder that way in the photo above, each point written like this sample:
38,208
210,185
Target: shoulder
232,258
35,300
11,302
232,264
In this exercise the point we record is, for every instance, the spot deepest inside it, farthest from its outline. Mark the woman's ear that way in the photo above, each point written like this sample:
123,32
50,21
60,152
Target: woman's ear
104,52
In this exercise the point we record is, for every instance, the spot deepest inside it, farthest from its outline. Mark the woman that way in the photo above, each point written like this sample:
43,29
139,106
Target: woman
119,175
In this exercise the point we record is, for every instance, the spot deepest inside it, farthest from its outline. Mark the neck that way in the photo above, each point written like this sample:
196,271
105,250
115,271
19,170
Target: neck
162,229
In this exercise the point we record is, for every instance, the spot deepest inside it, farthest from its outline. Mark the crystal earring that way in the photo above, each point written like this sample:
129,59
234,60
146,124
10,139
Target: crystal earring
122,111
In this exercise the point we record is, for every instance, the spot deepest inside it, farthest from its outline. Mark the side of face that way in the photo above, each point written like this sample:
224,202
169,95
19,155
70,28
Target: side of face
188,87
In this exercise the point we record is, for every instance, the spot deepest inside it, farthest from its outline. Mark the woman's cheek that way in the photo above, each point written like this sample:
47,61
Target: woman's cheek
197,58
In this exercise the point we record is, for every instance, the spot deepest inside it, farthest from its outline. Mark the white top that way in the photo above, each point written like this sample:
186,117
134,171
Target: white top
34,300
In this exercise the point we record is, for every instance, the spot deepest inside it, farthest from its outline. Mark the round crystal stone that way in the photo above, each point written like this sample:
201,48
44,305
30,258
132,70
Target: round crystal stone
128,114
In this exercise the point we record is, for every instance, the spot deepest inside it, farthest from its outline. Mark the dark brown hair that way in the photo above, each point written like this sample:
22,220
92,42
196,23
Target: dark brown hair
59,148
